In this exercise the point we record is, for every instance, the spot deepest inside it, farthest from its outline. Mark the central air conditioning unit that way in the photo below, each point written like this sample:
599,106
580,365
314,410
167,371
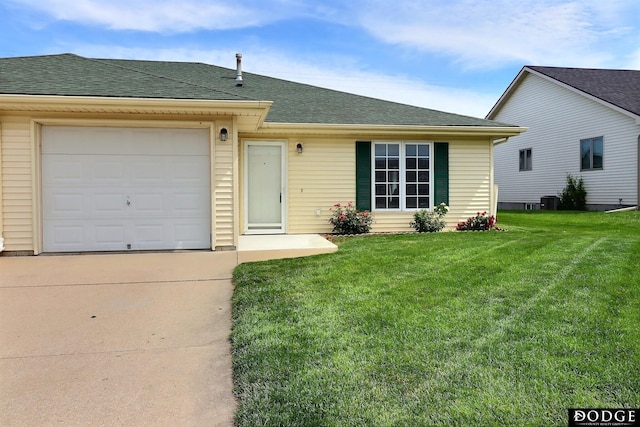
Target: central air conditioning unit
549,203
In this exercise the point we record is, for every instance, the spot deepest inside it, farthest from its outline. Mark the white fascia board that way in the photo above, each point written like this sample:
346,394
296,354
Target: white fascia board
494,132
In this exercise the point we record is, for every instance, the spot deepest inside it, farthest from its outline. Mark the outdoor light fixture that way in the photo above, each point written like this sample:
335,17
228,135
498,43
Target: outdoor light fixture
299,147
224,134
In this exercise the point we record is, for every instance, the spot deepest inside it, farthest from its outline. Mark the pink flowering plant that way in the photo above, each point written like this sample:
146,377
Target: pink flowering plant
346,219
479,222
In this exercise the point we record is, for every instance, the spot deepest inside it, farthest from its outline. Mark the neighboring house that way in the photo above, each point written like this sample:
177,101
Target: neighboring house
583,122
113,155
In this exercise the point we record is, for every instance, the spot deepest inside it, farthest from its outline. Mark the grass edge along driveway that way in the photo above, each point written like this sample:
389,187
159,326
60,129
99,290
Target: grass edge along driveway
484,328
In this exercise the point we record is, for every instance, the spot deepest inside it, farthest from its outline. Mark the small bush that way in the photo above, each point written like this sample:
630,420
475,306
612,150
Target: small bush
480,222
425,221
348,220
573,196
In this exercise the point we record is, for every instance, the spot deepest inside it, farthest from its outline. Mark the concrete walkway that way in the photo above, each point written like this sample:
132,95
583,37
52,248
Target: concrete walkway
138,339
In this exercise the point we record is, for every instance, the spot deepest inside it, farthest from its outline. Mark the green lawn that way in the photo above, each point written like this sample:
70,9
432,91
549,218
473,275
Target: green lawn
477,328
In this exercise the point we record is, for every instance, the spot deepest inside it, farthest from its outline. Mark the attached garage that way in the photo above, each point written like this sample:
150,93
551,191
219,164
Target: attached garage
118,189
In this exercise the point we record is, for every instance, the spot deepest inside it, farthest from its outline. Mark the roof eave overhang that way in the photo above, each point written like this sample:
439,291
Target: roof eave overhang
491,132
252,114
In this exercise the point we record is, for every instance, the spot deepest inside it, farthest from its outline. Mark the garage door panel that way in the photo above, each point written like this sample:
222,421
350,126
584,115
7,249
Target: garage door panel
109,235
84,141
64,171
187,171
83,203
186,233
150,204
149,171
149,236
117,189
106,171
187,143
77,236
188,204
68,235
62,204
105,203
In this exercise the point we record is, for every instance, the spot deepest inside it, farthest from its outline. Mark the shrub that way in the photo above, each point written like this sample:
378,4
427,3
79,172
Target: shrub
348,220
573,196
480,222
425,221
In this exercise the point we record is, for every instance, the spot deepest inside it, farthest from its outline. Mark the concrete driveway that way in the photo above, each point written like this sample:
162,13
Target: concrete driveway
116,339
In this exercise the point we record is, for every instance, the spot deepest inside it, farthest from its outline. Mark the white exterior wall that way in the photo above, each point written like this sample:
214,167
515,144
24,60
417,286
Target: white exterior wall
558,119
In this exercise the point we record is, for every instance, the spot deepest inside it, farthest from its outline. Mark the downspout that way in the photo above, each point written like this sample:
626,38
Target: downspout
493,185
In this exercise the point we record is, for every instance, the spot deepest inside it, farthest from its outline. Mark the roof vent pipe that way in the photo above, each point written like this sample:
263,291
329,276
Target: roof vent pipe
239,81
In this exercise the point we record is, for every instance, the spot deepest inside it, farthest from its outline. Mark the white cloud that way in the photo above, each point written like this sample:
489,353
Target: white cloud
492,33
167,16
338,73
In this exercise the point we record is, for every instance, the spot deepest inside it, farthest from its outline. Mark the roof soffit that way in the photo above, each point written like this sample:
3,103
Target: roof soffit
251,114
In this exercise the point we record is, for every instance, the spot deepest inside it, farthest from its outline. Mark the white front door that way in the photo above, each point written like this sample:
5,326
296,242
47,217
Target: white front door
117,189
264,187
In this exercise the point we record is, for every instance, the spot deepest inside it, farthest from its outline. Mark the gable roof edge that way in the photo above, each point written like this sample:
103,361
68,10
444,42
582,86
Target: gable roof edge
520,77
506,94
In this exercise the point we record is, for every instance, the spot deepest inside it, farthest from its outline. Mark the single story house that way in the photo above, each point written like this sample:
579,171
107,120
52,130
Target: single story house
117,155
583,122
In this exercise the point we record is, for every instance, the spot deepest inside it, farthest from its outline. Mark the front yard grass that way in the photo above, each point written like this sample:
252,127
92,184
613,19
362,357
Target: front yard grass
477,328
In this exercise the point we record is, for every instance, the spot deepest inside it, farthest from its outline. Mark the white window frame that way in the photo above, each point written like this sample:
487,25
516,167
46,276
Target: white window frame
402,171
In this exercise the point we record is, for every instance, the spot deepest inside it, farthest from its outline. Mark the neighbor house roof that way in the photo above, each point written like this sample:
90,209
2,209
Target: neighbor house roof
294,103
618,88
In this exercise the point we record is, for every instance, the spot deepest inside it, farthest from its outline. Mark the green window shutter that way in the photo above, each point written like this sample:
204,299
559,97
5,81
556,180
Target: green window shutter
441,173
363,175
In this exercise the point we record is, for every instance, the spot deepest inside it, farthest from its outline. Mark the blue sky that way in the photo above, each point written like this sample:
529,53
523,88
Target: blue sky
450,55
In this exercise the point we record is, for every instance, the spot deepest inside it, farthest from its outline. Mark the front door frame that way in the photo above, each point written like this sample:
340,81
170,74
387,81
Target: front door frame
283,187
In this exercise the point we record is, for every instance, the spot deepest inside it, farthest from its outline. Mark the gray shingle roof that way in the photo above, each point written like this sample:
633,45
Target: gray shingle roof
618,87
72,75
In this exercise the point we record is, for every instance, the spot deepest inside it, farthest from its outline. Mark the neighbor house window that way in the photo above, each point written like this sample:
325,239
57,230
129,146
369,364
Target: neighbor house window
402,175
591,153
525,159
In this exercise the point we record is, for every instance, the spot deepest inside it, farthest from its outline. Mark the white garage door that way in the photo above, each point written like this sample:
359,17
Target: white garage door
115,189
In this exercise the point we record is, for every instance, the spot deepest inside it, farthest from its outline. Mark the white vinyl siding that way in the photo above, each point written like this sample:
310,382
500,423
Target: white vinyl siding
558,119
